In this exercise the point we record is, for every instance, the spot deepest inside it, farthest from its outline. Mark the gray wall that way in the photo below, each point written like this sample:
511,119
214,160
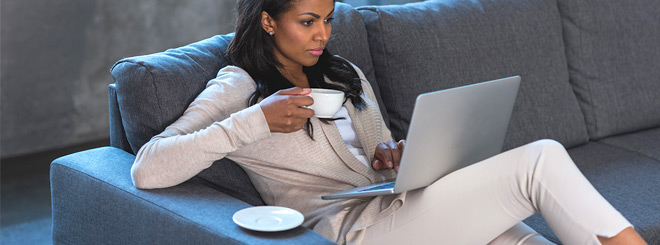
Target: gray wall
56,56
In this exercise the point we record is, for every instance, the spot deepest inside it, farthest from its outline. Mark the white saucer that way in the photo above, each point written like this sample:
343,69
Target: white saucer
268,218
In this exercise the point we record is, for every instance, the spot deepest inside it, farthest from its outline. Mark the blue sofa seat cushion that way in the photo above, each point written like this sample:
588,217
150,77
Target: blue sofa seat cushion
94,201
645,142
433,45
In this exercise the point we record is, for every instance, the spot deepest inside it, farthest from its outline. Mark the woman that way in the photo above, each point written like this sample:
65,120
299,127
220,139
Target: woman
254,113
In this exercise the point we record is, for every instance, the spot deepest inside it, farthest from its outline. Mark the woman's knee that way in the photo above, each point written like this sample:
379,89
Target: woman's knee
544,151
548,145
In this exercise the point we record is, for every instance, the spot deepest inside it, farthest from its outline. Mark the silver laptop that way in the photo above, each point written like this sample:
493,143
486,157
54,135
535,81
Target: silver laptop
450,129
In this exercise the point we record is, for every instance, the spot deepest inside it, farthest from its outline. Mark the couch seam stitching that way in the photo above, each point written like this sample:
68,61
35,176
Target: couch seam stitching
583,112
387,122
582,55
153,83
200,65
124,140
387,62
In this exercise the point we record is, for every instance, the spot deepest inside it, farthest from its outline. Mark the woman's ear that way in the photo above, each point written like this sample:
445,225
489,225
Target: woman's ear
267,23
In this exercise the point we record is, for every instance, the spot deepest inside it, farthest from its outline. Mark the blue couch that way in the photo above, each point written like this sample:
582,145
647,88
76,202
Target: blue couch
591,80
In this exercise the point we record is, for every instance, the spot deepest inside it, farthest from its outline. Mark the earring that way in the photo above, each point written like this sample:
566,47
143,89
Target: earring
270,33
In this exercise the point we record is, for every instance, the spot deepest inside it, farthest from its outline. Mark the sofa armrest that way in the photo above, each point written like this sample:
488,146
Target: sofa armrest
94,201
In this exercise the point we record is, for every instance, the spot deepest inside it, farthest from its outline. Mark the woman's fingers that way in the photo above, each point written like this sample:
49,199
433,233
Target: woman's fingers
284,110
388,155
377,164
296,99
396,154
400,146
294,91
381,157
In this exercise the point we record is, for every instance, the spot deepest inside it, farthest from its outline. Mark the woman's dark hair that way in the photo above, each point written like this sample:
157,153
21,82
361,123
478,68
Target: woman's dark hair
252,50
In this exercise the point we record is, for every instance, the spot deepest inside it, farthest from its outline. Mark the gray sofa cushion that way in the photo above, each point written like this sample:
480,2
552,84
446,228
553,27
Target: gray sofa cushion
646,142
154,90
349,40
613,56
628,180
229,178
434,45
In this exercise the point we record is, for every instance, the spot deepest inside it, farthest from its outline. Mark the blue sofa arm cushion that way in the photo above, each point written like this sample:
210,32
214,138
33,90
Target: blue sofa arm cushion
94,201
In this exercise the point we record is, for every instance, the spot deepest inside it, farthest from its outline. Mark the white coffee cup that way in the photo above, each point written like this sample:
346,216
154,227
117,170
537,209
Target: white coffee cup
327,102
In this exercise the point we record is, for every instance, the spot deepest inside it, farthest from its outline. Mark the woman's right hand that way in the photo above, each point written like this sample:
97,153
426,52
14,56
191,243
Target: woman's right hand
388,155
284,112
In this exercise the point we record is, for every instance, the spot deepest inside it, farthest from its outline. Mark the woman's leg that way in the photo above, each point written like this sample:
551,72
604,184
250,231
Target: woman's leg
626,237
520,234
477,203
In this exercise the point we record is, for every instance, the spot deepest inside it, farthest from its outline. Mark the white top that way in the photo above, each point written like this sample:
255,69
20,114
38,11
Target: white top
347,133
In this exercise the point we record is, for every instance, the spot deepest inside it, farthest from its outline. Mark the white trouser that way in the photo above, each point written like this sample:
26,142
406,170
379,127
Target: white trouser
487,201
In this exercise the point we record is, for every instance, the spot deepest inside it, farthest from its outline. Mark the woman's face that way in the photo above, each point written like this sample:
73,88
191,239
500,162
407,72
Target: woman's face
300,34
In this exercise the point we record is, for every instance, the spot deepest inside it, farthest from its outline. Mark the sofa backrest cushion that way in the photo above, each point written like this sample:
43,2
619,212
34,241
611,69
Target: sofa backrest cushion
613,51
153,91
433,45
349,40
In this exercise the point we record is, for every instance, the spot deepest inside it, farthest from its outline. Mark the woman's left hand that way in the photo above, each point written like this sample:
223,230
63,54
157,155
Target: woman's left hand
388,155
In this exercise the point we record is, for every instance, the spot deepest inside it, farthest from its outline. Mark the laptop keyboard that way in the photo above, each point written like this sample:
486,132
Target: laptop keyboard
378,187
